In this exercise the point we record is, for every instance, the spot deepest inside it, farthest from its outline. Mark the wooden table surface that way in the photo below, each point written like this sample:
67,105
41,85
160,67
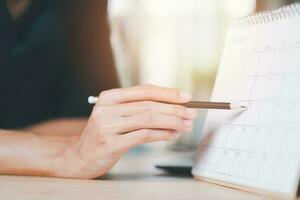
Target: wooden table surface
134,177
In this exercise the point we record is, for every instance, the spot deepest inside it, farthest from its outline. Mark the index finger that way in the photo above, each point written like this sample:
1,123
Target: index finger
144,93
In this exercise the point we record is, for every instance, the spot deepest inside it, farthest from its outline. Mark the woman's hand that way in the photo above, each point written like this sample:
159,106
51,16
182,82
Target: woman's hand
123,119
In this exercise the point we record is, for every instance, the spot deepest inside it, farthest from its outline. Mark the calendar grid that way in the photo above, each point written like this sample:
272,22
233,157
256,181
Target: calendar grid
260,146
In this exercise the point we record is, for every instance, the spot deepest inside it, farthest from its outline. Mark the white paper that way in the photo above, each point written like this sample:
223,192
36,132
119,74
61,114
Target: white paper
260,147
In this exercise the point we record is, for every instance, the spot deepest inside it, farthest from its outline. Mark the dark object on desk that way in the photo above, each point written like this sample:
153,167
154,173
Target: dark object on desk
298,194
176,170
180,167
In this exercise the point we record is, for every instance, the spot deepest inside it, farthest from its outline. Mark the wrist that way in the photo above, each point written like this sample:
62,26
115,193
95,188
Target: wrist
66,164
72,164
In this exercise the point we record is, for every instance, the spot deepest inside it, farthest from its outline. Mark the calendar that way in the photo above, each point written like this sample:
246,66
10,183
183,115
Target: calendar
257,149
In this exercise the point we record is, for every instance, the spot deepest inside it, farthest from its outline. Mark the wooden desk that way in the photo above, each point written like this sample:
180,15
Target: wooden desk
133,178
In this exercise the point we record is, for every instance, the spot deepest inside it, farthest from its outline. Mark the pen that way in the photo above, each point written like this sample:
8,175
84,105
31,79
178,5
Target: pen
195,104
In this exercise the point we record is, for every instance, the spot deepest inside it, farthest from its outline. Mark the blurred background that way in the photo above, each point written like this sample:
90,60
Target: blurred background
175,43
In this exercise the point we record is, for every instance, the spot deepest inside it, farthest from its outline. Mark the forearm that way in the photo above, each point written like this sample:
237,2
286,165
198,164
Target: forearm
60,128
39,150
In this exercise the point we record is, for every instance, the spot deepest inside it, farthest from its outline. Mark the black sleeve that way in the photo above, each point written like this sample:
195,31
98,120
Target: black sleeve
91,67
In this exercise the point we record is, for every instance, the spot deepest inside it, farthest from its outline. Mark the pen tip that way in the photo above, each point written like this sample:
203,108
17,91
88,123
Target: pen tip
233,107
244,107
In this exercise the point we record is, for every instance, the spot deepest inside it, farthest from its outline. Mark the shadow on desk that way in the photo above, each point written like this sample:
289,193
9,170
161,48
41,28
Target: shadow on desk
138,172
142,176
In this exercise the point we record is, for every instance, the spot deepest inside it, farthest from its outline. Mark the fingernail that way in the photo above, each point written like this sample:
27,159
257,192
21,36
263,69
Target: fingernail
186,96
191,112
188,123
175,135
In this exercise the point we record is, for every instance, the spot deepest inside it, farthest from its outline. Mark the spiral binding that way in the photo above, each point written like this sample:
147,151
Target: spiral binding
286,12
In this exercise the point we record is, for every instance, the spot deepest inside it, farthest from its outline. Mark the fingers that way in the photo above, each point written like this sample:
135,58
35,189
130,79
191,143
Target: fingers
130,109
153,121
143,93
140,137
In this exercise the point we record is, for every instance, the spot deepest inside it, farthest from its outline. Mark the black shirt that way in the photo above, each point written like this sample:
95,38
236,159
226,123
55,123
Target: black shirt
37,82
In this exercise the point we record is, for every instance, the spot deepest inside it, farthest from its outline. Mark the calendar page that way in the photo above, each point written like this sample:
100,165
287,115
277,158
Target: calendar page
257,149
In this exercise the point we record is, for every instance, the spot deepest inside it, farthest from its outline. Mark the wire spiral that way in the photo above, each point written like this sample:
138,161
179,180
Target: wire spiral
286,12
